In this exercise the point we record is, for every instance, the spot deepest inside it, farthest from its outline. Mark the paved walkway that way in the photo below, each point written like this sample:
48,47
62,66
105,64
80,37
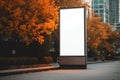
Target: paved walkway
44,68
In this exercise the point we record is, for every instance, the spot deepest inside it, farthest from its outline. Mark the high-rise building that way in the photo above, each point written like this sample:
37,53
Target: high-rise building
101,8
114,13
109,11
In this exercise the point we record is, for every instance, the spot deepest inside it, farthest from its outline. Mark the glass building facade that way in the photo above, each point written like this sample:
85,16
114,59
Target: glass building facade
108,10
114,11
101,8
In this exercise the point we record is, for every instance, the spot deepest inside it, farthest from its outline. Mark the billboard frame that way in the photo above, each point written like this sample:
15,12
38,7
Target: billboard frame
62,59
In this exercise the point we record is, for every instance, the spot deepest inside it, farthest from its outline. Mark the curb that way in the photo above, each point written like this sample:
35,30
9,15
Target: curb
26,70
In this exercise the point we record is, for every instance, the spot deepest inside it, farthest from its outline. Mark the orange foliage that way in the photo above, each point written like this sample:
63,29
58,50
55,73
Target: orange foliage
30,19
97,31
70,3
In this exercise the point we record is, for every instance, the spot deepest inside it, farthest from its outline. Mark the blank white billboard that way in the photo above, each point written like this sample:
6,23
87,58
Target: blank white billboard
72,35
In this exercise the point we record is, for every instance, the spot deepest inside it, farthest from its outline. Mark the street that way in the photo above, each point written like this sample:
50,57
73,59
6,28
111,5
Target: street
99,71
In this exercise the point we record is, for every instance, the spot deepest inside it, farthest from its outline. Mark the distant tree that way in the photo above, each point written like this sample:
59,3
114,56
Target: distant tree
31,20
97,31
112,42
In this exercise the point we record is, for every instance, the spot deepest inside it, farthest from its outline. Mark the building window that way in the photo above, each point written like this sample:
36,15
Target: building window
101,6
96,6
118,28
101,11
96,11
96,1
101,1
118,24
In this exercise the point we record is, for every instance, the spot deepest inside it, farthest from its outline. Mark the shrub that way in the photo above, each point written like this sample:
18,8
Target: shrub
7,61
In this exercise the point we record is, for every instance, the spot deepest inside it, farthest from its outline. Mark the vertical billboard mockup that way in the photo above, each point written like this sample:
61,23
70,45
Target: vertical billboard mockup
72,37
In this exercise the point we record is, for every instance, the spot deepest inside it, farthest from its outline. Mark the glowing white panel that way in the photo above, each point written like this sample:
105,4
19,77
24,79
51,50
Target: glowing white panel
72,35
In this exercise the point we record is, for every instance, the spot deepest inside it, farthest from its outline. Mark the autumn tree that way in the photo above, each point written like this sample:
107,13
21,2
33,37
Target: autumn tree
110,45
31,20
97,32
101,38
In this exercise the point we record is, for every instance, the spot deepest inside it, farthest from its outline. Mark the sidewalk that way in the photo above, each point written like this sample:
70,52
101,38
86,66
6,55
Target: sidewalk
35,69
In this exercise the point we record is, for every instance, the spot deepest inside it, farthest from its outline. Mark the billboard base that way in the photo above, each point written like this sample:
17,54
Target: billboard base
72,62
73,66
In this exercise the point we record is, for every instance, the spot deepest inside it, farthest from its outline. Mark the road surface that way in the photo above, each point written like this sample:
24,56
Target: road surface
99,71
